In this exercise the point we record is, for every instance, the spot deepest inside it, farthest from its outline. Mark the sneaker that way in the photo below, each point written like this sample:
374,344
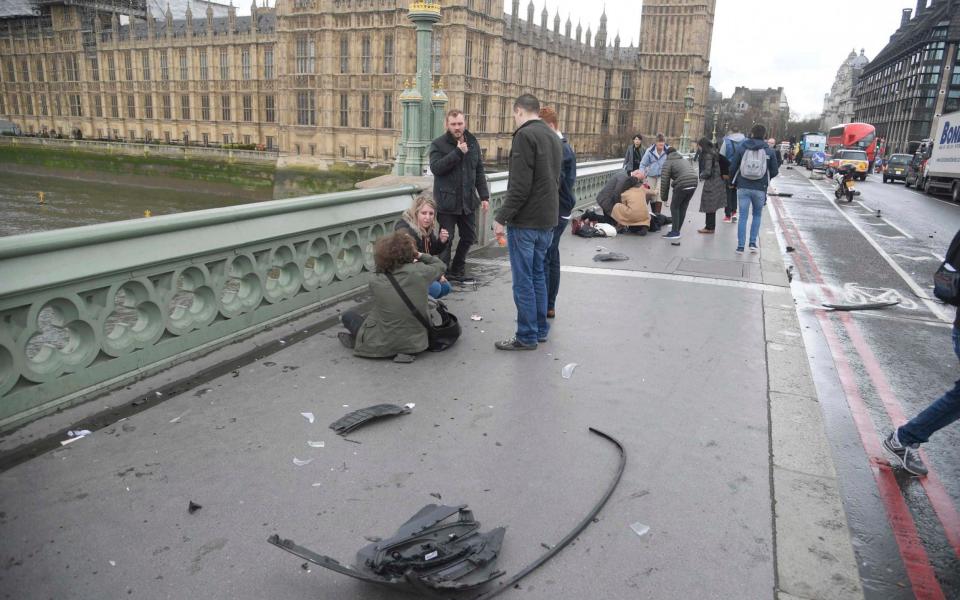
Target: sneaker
704,230
551,313
514,344
909,455
727,219
733,217
739,249
753,249
542,340
672,235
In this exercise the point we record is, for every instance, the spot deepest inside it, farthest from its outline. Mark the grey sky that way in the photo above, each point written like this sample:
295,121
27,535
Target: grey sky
803,42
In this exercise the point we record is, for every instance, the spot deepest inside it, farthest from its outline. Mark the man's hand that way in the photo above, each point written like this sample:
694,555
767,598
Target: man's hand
443,279
485,204
498,229
638,174
462,146
444,236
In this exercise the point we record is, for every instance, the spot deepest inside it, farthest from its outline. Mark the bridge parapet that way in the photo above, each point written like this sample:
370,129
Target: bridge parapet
87,309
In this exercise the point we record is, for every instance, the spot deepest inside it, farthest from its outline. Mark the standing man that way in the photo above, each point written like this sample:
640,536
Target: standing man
752,168
650,166
459,188
728,148
530,210
567,202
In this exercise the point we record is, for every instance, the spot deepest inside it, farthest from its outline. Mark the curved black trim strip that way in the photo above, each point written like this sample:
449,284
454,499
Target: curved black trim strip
573,534
869,306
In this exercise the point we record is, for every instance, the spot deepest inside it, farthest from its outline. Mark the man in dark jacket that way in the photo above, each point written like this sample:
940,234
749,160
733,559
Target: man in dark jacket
753,166
459,187
567,202
680,175
531,211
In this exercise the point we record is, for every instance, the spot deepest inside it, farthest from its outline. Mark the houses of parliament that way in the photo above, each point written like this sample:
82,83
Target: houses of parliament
320,80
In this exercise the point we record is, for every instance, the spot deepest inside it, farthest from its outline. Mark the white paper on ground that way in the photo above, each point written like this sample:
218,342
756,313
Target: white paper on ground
640,528
300,463
567,371
316,444
308,416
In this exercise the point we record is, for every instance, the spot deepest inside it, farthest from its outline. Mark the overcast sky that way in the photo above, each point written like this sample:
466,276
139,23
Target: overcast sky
803,42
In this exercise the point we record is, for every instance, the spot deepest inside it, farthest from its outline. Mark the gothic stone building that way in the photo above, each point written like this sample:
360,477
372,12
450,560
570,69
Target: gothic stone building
838,104
320,79
914,79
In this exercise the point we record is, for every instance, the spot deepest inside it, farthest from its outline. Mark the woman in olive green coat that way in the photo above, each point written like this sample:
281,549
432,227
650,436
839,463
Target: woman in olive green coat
390,328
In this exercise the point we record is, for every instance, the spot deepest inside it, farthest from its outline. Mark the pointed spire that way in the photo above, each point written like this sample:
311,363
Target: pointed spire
188,13
588,36
556,22
579,31
253,9
567,26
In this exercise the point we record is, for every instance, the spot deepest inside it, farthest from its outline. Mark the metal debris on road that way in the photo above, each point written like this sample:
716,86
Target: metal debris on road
791,249
567,371
300,463
610,256
640,528
316,444
867,306
193,507
357,418
308,416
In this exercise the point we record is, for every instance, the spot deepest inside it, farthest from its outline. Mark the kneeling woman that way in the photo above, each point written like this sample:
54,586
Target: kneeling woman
419,222
390,328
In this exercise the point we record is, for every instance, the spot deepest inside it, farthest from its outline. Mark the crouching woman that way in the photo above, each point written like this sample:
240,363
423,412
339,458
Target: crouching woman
391,328
419,222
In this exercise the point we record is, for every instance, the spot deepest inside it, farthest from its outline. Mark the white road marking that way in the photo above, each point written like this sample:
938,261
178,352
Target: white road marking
938,257
920,293
885,220
914,258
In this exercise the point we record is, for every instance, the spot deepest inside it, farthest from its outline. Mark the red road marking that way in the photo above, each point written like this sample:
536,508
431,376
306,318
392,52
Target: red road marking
916,562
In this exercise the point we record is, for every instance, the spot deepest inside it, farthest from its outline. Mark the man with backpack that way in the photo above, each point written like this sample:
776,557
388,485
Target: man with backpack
754,164
728,148
905,441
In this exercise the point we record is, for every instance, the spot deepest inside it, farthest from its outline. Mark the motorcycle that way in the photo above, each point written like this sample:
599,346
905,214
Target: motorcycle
844,179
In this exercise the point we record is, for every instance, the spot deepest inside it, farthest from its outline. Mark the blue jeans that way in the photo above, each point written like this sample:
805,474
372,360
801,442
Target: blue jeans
553,265
942,412
438,290
528,251
746,198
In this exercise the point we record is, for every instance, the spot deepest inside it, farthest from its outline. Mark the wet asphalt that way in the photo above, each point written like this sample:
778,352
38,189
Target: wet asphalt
901,359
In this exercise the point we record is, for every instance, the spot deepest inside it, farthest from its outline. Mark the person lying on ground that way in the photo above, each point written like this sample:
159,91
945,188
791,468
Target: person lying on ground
621,199
391,328
419,222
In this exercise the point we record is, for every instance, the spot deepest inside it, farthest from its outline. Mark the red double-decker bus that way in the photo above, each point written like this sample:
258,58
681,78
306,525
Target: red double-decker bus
853,136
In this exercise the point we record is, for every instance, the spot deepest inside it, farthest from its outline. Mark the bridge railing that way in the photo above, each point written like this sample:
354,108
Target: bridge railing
87,309
144,149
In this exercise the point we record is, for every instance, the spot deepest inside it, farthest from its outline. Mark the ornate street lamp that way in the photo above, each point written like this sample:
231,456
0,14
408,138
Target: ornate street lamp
688,105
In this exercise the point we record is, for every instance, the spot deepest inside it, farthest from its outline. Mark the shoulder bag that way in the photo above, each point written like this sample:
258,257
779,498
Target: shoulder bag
440,336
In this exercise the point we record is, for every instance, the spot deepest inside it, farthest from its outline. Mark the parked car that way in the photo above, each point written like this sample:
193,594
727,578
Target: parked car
895,167
857,158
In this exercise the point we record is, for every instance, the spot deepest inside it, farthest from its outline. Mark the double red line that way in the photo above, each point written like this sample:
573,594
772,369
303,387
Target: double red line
919,570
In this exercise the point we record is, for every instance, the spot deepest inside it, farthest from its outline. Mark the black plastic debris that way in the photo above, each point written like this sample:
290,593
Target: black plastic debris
609,256
358,418
440,548
791,249
867,306
193,507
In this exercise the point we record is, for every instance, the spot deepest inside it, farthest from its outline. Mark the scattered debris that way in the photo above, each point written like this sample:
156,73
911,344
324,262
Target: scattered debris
610,256
791,249
317,484
436,495
866,306
640,528
113,563
308,416
567,371
193,507
316,444
300,463
177,418
439,548
75,435
355,419
476,318
409,405
782,194
602,249
305,567
372,538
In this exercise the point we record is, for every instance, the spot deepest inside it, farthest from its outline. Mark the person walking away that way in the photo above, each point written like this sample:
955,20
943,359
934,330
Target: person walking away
528,216
776,151
419,222
729,147
391,329
714,173
650,166
459,182
631,160
680,174
905,441
753,166
567,201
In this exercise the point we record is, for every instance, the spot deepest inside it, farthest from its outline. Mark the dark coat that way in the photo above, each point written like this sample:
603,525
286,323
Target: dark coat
631,159
677,173
569,177
533,185
391,328
714,194
456,175
610,194
433,246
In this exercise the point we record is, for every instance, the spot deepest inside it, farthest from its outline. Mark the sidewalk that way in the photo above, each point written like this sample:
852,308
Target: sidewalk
686,354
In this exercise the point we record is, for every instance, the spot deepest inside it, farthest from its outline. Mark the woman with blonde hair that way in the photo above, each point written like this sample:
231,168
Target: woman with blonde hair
420,222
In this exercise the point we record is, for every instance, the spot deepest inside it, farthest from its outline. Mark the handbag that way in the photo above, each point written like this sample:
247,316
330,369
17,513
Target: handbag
440,337
946,284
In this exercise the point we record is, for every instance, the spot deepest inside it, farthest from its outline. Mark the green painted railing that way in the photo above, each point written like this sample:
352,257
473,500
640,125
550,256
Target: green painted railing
86,309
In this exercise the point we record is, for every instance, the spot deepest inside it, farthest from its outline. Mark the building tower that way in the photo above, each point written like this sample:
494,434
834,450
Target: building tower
675,40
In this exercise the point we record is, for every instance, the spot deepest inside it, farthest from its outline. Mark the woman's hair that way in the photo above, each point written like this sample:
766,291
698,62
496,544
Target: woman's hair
393,251
549,116
705,144
410,215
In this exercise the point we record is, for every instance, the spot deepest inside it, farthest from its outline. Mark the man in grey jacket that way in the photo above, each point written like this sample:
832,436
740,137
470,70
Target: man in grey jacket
528,215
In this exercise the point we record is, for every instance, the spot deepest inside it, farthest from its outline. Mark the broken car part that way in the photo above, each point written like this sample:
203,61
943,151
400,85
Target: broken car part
609,256
357,418
439,548
867,306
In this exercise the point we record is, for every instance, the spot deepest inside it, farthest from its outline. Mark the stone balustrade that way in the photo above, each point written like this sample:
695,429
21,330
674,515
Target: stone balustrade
145,149
87,309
